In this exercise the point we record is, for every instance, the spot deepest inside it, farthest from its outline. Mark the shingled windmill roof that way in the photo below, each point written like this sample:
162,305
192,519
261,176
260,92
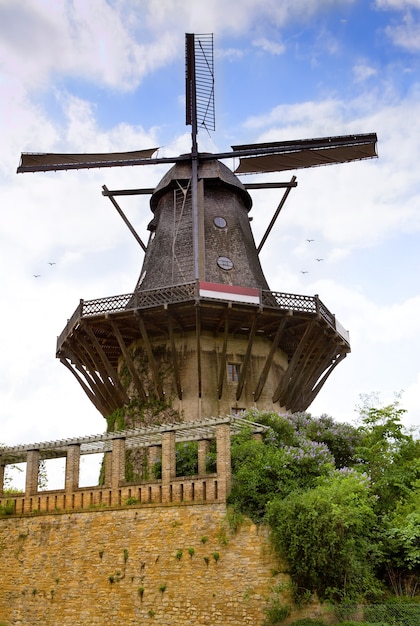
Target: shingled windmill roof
207,170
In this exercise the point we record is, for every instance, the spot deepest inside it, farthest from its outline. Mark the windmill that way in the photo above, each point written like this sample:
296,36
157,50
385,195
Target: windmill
202,333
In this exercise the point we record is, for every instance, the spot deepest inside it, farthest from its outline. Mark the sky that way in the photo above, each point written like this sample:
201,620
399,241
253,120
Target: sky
108,75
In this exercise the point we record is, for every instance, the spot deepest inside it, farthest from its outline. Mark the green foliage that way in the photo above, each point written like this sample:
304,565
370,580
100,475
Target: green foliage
234,518
343,502
186,455
131,501
266,469
389,454
275,612
178,555
327,535
8,508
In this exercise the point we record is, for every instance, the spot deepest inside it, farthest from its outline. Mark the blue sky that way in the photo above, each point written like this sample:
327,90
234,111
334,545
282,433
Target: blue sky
96,75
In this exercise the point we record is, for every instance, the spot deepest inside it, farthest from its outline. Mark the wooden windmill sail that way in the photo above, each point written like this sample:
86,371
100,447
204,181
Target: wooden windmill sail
202,333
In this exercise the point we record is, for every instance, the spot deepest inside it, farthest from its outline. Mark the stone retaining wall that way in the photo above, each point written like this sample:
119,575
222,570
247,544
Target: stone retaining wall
170,565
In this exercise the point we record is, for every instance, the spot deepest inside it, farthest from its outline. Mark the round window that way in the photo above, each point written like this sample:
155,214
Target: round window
224,263
220,222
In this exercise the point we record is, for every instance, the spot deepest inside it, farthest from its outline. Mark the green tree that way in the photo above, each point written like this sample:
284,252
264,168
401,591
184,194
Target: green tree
328,536
389,453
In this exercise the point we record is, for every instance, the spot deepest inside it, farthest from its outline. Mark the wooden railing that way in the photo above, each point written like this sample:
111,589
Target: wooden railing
189,291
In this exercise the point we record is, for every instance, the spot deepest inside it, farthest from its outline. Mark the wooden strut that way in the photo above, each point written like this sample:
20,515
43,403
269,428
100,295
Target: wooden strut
152,361
102,385
314,392
124,217
285,380
129,361
301,372
276,214
112,373
244,367
92,381
95,401
268,361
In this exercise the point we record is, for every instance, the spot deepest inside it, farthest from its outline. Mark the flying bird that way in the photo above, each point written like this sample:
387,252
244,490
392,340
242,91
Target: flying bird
36,275
309,240
51,262
319,259
303,271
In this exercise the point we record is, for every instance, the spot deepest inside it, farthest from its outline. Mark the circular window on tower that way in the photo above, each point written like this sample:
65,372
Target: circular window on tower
224,263
220,222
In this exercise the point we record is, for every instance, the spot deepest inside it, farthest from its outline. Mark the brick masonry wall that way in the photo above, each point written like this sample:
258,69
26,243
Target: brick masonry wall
57,569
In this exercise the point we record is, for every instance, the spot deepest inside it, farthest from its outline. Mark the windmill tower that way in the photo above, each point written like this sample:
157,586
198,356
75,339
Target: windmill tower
203,334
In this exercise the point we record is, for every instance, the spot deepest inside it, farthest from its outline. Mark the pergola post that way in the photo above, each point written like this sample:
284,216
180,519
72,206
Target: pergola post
154,454
72,468
168,464
2,472
107,468
32,470
203,450
117,468
224,470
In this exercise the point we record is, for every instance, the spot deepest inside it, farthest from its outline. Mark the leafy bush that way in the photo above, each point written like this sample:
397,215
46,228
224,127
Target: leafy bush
327,535
8,508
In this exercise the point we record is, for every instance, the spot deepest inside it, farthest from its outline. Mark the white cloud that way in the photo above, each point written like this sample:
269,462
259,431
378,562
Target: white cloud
406,35
272,47
362,72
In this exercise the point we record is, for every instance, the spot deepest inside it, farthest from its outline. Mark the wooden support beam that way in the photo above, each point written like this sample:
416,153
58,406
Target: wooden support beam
268,361
88,387
301,374
309,397
112,373
222,360
85,388
102,383
152,362
283,384
124,217
174,355
134,375
244,367
276,213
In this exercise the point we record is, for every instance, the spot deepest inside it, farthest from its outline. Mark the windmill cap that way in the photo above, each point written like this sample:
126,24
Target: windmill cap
209,170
